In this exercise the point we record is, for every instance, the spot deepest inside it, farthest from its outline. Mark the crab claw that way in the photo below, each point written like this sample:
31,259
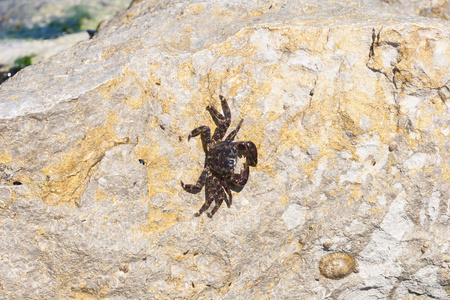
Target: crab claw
240,179
253,154
250,152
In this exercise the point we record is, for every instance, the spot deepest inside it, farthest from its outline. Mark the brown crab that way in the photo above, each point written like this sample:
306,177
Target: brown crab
221,159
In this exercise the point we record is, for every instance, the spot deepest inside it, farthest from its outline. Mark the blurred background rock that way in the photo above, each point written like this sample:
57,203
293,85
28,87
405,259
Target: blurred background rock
33,30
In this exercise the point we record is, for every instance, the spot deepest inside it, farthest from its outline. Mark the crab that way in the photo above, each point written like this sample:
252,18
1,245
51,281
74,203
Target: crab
221,159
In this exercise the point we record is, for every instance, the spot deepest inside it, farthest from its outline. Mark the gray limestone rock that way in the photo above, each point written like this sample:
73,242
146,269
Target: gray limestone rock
347,104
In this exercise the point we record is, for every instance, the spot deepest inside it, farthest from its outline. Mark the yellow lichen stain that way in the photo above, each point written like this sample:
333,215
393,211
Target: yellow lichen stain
347,123
426,113
123,49
423,50
41,230
446,172
159,173
352,192
167,104
292,264
100,194
227,48
127,19
182,43
134,93
292,135
61,137
300,39
195,9
158,169
109,87
154,67
283,200
5,158
263,10
181,257
355,194
377,211
189,29
185,73
68,177
135,101
80,295
338,143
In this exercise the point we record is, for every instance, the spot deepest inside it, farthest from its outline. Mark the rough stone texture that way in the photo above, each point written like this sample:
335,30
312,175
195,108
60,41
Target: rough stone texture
347,103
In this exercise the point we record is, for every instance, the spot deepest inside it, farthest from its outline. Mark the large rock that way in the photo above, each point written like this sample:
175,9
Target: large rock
347,104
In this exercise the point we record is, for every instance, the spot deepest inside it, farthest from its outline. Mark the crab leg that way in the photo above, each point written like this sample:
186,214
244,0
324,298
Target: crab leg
232,134
227,189
221,197
224,121
195,188
211,193
240,179
205,135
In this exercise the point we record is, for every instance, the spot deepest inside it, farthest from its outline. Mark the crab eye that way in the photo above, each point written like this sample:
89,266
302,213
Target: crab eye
232,152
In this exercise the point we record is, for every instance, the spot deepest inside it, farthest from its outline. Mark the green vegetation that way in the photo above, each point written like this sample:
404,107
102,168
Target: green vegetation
76,15
24,61
73,21
19,64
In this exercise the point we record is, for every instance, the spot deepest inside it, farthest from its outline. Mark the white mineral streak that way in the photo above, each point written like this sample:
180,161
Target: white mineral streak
294,216
347,103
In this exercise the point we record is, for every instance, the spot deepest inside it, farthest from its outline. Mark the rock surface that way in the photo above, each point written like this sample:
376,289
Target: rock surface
348,105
